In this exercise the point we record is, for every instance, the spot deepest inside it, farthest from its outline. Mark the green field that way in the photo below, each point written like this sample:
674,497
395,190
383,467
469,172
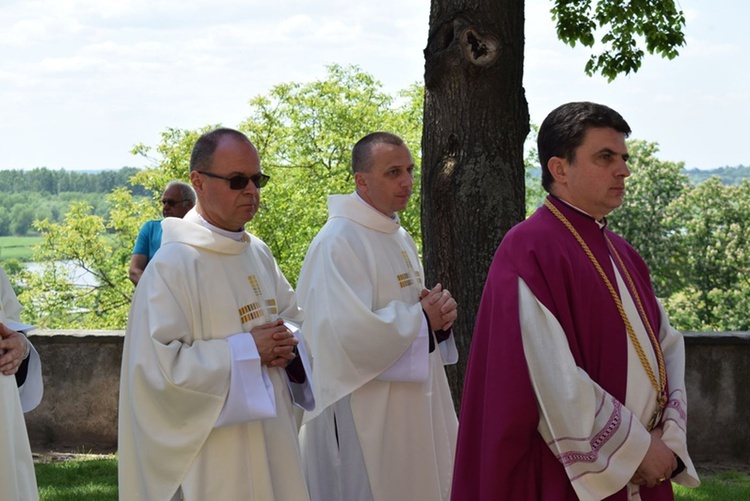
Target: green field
19,248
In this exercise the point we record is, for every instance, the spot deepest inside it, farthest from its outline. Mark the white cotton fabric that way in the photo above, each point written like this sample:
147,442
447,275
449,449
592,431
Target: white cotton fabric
200,289
17,478
574,409
396,427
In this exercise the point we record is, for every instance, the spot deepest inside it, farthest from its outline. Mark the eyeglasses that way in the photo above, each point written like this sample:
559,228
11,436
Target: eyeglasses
172,203
240,182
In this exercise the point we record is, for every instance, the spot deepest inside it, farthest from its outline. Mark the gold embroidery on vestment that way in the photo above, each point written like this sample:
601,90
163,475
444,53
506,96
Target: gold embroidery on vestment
254,310
411,277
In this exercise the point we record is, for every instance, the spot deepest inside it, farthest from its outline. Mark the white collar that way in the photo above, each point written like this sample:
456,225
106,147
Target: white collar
394,217
237,236
601,222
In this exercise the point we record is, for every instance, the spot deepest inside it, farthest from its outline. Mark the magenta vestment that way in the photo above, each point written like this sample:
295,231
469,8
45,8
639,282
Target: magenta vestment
500,454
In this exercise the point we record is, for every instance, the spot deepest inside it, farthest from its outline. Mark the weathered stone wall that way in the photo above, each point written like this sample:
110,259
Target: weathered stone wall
81,371
717,376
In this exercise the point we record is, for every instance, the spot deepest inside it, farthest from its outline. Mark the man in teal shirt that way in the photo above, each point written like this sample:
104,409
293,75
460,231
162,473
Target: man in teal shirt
178,198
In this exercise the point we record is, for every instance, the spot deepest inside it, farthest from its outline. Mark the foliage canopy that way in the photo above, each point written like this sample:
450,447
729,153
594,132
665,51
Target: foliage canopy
304,133
694,237
657,23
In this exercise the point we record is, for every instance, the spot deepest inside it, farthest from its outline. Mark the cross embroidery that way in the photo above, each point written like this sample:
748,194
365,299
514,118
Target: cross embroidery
256,309
411,277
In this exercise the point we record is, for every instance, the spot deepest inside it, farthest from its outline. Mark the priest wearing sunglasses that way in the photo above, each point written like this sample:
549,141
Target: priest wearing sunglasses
178,198
212,364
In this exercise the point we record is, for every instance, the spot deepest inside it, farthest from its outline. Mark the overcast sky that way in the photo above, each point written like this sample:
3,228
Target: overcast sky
83,81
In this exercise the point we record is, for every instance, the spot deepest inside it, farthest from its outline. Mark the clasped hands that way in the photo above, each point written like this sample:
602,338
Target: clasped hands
659,463
275,342
440,307
12,349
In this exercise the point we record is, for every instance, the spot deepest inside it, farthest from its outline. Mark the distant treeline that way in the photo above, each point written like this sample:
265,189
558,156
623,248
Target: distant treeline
55,182
729,175
39,194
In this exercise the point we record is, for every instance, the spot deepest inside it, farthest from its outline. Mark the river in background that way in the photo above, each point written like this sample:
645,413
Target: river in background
77,275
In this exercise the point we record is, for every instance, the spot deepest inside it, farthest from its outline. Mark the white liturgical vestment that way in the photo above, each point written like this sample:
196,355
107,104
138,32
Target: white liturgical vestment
384,427
17,479
200,417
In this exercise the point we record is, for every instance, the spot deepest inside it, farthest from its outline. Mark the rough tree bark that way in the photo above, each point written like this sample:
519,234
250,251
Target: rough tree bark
475,122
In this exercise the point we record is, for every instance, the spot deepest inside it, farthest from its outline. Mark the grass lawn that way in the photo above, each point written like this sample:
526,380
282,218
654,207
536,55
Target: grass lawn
95,478
17,247
726,486
85,478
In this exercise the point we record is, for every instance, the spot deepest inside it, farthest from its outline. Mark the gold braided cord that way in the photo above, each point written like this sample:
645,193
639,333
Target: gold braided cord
660,385
654,340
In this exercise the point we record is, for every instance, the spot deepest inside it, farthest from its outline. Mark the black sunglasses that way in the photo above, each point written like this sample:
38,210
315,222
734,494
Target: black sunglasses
172,203
240,182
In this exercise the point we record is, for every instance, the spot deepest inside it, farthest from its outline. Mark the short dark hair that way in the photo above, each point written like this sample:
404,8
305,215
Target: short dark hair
564,129
361,153
202,155
186,191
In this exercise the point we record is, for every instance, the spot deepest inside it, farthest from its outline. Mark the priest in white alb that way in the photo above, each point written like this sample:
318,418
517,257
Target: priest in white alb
384,428
213,363
20,391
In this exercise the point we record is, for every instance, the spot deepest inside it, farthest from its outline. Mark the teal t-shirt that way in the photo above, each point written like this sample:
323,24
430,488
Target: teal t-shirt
149,239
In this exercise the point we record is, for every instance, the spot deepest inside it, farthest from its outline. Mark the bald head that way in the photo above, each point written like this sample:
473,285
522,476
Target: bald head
203,152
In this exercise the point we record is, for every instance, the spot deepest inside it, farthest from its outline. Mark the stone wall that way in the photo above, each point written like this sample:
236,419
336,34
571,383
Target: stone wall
81,371
717,376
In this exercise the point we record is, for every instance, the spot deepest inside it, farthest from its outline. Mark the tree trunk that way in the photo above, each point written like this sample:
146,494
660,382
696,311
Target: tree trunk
475,122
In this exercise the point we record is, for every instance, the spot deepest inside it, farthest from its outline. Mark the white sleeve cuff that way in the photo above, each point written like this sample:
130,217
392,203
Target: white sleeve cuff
413,365
302,393
32,390
448,350
251,396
